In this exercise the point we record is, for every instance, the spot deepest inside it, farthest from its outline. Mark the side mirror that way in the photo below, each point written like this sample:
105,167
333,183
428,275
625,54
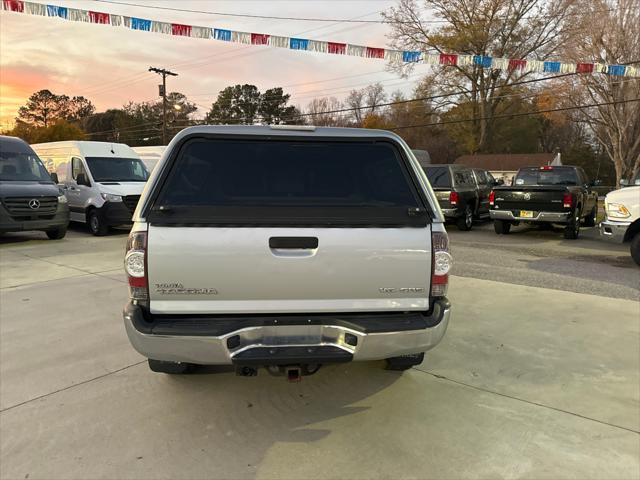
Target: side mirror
54,177
624,182
81,179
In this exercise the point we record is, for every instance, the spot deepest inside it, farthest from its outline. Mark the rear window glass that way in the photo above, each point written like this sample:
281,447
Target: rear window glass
271,180
552,176
438,176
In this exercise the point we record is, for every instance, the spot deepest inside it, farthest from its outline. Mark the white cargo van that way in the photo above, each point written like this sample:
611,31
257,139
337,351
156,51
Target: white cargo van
150,155
102,180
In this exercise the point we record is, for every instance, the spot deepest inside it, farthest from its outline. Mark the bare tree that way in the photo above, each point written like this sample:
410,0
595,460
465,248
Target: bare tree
374,96
355,100
321,112
516,29
613,39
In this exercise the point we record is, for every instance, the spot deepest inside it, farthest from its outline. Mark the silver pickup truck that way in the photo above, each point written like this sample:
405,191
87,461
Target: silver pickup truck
287,247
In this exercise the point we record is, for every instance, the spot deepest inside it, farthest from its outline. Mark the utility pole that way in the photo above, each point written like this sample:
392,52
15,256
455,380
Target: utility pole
163,94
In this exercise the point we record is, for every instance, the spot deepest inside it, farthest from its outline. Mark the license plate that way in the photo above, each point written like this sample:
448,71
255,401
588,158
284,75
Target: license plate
526,214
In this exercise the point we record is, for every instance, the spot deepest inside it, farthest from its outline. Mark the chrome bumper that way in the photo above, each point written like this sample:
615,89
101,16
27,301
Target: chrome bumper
214,350
553,217
451,212
614,231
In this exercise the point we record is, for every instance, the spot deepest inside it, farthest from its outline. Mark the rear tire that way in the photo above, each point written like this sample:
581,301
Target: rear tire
170,368
501,227
56,233
572,230
405,362
635,248
590,220
465,222
96,224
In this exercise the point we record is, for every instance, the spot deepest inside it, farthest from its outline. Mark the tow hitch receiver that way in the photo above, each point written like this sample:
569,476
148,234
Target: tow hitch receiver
294,374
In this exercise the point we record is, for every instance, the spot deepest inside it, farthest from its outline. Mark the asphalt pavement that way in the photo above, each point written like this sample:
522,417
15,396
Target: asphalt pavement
536,378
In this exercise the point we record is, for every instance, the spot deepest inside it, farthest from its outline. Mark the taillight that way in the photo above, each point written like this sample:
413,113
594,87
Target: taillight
492,198
442,262
453,198
135,265
546,167
567,200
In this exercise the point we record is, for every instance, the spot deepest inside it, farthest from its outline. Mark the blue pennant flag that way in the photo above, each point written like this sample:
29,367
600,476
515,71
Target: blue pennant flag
483,61
616,70
553,67
224,35
140,24
56,11
410,57
298,43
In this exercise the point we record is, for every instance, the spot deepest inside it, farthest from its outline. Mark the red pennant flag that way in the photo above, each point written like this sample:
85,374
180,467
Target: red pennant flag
584,68
375,52
99,17
448,59
337,48
259,39
14,5
181,30
515,64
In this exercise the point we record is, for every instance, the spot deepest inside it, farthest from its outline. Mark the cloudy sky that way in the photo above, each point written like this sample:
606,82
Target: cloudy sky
109,65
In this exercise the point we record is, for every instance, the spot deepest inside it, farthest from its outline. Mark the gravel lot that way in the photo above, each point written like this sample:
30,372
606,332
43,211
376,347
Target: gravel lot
537,377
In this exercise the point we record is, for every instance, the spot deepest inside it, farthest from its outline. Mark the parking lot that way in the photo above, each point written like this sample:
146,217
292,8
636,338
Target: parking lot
538,377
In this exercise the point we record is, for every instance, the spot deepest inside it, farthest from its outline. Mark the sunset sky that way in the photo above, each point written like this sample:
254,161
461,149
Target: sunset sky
109,64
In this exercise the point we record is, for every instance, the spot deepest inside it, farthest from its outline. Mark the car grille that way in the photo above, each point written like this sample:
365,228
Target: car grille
131,202
18,207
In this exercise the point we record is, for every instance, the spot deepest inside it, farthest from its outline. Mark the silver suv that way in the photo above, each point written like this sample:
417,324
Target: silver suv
287,247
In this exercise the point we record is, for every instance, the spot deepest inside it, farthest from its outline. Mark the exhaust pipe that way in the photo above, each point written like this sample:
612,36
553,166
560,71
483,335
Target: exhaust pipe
246,371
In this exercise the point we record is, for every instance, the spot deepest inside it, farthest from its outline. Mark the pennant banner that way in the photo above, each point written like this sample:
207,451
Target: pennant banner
446,60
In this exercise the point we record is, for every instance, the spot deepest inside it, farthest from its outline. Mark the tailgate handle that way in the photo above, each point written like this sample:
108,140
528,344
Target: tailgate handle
293,242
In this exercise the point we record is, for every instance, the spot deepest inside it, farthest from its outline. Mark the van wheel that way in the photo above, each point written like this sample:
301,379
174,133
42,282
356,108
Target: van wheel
465,222
635,248
501,227
572,230
56,233
590,220
404,362
171,368
96,224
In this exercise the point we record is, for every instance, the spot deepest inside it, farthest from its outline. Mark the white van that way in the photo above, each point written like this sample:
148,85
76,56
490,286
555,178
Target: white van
150,155
101,180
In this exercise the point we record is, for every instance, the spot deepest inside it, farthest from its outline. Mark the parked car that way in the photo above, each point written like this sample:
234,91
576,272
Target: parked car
622,218
543,196
102,180
287,247
29,198
462,192
150,155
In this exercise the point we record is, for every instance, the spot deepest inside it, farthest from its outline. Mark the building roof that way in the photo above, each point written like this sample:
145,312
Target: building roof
506,161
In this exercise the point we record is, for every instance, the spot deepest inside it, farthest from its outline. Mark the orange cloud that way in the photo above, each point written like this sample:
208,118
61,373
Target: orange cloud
17,83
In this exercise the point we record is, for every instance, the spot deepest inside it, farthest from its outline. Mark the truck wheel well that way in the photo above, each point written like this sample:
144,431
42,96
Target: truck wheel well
632,231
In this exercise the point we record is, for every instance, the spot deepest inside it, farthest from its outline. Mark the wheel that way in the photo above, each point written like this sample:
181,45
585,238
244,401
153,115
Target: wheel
590,220
501,226
96,224
404,362
635,248
572,230
465,222
57,233
171,368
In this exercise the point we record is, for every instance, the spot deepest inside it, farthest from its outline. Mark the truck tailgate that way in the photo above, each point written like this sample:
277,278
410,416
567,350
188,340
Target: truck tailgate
532,198
232,270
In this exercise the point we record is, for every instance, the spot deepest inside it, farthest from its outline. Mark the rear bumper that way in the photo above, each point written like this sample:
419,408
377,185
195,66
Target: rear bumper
551,217
59,220
452,212
614,231
287,339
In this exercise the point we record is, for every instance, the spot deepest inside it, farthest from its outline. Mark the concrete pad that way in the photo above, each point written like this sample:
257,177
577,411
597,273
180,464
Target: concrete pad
58,334
354,421
17,269
568,350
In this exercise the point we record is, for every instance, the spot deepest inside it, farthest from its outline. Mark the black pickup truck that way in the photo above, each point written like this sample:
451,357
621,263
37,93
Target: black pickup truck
546,195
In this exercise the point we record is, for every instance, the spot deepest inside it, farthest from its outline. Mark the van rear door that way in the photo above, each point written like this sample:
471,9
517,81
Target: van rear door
257,225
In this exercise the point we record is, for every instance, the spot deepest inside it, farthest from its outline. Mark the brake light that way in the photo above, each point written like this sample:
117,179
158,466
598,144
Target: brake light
135,265
546,167
453,198
442,262
567,200
492,198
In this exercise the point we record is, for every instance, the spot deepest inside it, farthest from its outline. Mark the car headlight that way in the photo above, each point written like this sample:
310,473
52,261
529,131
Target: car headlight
62,199
617,210
108,197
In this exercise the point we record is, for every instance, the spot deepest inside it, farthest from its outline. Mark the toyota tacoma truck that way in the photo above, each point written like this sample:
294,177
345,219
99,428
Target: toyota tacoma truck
546,195
287,247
